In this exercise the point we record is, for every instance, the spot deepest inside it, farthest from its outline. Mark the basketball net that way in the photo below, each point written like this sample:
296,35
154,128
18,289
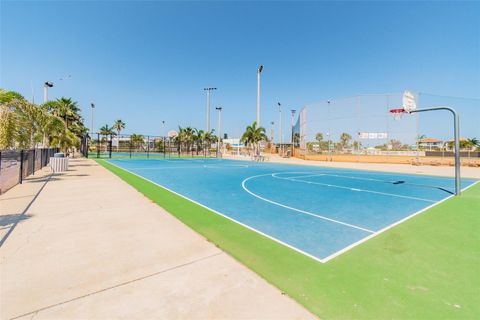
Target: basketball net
397,113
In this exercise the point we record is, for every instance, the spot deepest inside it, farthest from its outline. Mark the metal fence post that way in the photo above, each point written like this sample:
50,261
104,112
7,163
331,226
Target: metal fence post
148,147
34,158
98,145
21,166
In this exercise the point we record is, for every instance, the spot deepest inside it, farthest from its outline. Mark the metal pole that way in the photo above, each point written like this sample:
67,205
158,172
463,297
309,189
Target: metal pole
208,111
219,128
280,127
456,134
45,94
208,106
258,99
293,144
91,117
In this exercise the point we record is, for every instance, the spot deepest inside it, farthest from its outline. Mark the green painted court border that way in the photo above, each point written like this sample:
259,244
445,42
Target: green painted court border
423,268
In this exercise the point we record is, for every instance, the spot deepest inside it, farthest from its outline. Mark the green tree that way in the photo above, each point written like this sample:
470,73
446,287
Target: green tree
253,135
137,140
344,140
118,126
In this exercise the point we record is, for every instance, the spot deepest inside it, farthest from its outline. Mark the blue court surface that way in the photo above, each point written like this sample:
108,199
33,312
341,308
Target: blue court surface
320,212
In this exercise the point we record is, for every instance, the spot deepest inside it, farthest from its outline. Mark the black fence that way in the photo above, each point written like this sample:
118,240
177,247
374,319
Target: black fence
16,165
131,146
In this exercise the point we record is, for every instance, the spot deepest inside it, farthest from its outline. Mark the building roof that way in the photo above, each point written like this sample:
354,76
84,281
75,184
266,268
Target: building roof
429,140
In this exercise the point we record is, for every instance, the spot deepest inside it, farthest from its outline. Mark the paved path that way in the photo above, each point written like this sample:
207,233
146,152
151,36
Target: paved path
84,244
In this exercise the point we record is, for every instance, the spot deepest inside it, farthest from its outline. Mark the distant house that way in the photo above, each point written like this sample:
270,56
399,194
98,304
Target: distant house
430,144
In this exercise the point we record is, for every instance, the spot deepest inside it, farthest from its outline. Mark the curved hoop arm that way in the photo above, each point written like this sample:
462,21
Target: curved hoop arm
456,134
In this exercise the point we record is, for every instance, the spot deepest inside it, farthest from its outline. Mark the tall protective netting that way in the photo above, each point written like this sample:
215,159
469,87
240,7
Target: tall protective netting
362,128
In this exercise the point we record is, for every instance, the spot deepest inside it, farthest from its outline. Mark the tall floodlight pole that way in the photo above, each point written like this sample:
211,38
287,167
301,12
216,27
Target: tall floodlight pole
46,85
293,140
92,105
219,127
280,126
208,106
272,132
259,72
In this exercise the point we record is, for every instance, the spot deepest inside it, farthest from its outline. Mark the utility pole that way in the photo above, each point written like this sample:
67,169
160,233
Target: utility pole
271,131
280,126
259,72
208,106
219,128
293,134
91,117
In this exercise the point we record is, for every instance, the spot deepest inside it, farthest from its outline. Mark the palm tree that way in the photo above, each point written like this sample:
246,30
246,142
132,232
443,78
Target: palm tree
137,139
344,139
106,130
198,137
118,126
253,135
474,142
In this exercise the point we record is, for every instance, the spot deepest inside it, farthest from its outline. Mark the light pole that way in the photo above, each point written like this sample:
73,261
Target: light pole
293,139
259,71
91,117
271,132
46,85
208,106
219,127
280,126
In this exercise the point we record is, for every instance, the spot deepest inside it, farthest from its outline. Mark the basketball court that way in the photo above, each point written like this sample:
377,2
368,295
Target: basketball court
320,212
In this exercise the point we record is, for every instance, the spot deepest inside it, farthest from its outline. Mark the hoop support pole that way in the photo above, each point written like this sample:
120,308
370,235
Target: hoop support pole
456,134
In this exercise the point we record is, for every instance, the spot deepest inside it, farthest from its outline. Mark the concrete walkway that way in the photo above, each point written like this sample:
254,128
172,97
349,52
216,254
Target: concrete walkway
85,245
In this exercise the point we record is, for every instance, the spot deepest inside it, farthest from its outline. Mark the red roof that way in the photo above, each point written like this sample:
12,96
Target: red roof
429,140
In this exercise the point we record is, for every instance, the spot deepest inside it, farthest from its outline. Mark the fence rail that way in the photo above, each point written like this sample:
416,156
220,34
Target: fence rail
16,165
130,146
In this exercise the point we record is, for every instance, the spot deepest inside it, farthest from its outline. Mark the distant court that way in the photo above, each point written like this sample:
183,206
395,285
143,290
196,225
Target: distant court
320,212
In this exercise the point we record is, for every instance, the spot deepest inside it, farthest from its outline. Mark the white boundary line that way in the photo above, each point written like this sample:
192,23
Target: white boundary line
336,254
295,209
324,260
208,166
350,188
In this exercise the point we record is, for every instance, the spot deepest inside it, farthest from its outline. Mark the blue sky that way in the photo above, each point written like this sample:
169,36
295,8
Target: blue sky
145,62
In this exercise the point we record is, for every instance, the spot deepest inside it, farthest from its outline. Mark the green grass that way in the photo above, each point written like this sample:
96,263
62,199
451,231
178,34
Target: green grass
425,268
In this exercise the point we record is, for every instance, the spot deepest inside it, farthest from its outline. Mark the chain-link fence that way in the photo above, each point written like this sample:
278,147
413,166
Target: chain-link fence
16,165
144,146
361,129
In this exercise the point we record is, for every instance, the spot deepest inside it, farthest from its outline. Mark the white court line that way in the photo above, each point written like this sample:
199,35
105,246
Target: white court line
295,209
336,254
221,214
324,260
353,189
192,167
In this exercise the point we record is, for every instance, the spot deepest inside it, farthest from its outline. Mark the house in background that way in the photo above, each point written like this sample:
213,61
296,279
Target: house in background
430,144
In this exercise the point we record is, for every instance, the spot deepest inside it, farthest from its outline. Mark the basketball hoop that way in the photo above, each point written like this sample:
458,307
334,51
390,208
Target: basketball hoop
397,113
